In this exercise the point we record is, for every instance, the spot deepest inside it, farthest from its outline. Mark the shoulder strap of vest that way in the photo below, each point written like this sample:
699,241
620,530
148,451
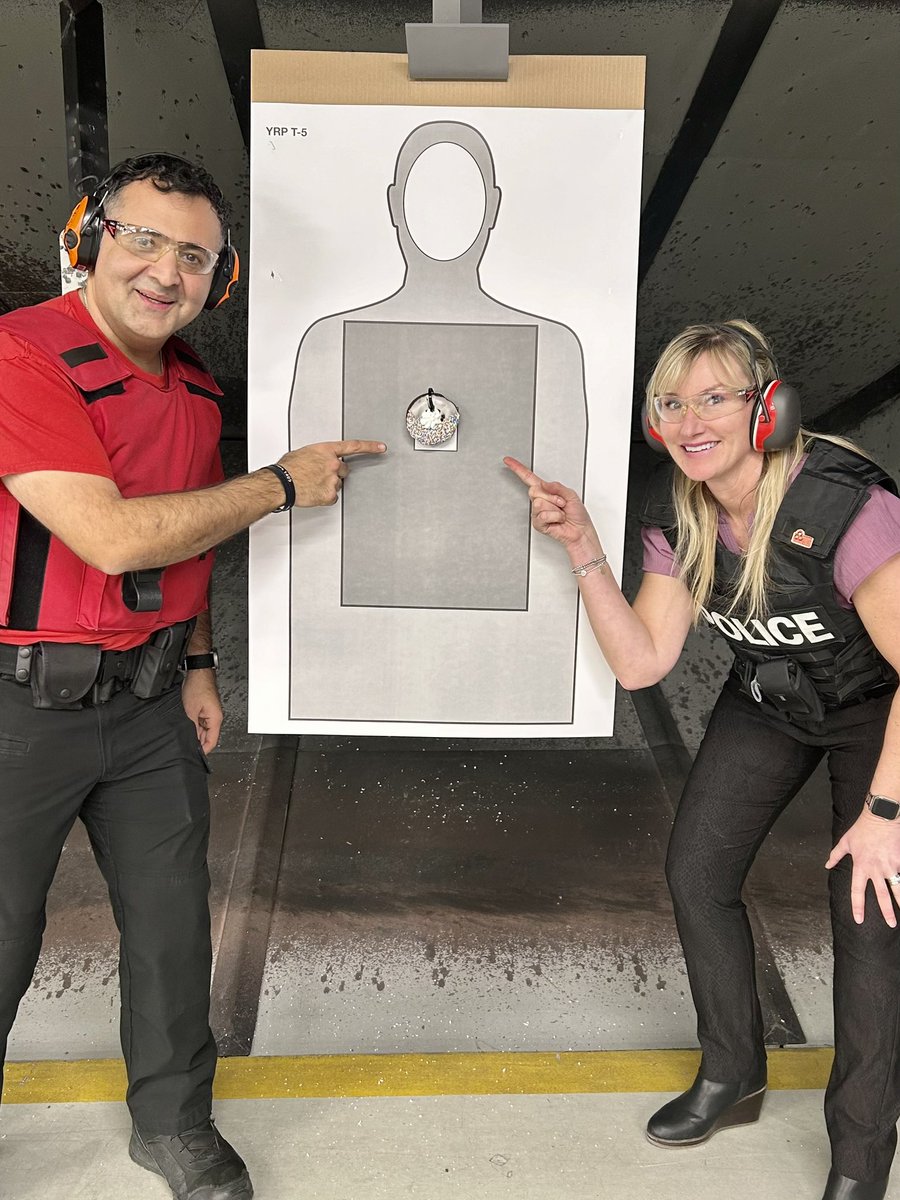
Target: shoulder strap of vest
191,369
829,460
67,345
825,497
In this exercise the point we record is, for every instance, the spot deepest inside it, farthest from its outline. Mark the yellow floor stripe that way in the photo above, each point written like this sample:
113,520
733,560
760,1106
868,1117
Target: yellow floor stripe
91,1080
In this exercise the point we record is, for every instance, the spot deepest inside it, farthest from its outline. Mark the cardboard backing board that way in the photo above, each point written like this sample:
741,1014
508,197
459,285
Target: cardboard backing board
535,81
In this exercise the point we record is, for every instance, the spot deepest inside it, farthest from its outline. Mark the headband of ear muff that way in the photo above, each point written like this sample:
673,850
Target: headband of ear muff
775,418
84,228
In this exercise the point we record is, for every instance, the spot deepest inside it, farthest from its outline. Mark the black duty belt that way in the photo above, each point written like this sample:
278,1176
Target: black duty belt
749,678
121,665
71,675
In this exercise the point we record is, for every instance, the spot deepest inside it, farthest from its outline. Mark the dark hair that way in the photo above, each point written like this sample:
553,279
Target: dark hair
168,173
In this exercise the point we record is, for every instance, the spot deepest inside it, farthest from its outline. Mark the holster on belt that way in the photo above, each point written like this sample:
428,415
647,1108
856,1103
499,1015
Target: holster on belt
160,659
63,673
786,686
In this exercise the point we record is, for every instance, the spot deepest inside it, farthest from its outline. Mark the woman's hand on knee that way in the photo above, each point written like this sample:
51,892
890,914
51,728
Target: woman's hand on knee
874,846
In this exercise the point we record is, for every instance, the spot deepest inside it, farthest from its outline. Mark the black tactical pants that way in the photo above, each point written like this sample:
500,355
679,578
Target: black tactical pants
749,766
133,771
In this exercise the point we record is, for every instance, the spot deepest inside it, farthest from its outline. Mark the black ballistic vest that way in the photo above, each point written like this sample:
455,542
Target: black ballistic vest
804,620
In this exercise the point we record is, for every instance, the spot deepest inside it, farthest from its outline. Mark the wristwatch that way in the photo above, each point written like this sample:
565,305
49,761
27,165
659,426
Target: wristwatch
203,662
883,806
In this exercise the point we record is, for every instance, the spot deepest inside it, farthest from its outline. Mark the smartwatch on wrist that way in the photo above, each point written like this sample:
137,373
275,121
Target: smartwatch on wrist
883,806
202,662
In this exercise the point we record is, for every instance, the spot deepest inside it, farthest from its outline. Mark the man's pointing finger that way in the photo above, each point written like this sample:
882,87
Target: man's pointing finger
349,448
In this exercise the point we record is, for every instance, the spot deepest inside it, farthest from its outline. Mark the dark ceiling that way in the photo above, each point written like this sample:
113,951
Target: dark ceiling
771,181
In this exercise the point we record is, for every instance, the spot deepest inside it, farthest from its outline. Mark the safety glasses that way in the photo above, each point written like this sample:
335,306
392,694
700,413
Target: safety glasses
152,245
708,406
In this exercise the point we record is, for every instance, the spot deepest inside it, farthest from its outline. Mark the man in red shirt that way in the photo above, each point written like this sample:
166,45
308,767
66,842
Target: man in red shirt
111,500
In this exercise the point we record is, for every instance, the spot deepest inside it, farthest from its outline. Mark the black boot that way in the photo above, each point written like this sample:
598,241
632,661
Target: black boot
695,1116
839,1187
197,1164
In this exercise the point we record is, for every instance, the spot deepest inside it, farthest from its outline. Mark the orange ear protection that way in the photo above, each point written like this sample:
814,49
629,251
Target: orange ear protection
81,236
225,274
84,229
775,419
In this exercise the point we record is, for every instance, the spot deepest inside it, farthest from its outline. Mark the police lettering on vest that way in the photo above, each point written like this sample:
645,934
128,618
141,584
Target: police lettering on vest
785,630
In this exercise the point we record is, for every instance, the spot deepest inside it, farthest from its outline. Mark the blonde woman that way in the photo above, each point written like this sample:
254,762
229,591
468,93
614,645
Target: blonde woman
788,544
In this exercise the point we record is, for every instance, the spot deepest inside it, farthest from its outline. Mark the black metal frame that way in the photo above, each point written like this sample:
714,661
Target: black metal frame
238,31
742,34
853,409
84,91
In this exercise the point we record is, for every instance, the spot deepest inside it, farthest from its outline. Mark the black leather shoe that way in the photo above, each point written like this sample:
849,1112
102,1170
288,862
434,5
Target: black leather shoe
197,1164
839,1187
695,1116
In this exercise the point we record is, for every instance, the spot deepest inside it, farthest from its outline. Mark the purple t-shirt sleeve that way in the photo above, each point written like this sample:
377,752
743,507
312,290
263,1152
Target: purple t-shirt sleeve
871,538
659,558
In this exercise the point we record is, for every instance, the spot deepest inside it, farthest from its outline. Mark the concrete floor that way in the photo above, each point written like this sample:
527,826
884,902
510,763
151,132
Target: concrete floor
465,1147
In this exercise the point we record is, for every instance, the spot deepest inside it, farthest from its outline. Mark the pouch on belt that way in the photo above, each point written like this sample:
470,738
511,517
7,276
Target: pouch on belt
784,683
62,673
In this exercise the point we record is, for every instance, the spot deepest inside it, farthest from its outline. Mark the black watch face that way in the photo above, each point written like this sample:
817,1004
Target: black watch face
881,806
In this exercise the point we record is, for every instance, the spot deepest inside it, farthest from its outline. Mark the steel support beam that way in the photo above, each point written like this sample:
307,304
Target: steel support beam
853,409
241,961
84,92
742,34
238,31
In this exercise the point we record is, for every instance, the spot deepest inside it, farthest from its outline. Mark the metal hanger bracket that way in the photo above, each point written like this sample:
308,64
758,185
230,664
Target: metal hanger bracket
457,45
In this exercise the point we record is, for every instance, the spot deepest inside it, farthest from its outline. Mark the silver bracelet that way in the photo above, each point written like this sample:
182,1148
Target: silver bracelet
595,564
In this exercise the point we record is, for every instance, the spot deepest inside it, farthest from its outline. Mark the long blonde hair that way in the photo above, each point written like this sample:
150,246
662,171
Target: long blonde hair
696,511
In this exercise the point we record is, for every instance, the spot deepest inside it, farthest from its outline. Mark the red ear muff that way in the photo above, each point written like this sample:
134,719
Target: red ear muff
81,235
775,420
651,436
225,276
